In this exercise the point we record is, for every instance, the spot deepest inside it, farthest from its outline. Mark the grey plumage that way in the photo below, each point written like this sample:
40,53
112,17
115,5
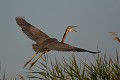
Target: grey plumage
43,41
32,32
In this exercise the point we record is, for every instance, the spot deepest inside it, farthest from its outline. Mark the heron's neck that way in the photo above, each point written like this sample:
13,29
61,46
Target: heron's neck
64,36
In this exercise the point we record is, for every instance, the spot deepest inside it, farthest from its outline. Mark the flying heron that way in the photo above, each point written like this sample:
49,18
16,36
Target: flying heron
44,43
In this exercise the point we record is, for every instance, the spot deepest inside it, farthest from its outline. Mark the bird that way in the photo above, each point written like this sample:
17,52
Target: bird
44,43
68,29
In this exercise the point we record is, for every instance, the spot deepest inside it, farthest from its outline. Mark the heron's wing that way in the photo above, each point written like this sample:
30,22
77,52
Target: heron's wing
31,31
59,46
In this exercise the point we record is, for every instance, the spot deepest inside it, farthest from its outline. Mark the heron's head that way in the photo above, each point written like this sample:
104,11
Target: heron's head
71,29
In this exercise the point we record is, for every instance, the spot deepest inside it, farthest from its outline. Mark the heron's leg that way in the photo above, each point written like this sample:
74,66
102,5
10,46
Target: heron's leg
47,50
30,59
44,56
36,59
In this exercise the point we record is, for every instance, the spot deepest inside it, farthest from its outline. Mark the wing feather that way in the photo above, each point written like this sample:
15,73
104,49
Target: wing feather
59,46
31,31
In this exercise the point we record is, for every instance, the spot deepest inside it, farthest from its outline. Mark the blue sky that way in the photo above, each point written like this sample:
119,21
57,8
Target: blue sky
95,19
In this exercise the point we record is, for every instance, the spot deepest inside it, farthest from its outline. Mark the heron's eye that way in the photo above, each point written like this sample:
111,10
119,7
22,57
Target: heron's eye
69,28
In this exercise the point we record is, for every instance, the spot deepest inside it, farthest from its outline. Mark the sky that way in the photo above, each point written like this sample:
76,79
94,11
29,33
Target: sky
94,18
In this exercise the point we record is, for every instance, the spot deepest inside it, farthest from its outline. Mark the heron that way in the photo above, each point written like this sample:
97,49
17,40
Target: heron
68,29
44,43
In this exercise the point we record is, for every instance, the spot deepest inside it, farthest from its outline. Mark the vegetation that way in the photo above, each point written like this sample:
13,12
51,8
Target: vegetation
104,68
3,75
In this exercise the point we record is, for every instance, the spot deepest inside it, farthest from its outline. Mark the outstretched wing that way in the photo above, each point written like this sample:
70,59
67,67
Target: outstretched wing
31,31
59,46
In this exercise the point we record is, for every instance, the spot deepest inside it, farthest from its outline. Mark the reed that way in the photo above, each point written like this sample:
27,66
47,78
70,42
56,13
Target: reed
104,68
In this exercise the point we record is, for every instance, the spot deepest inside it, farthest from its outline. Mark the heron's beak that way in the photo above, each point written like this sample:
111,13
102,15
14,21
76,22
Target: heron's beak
73,28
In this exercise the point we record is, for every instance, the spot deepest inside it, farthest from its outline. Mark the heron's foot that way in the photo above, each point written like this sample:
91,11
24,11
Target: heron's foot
26,63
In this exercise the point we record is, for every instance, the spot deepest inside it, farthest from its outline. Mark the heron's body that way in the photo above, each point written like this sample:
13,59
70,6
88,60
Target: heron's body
43,42
42,46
